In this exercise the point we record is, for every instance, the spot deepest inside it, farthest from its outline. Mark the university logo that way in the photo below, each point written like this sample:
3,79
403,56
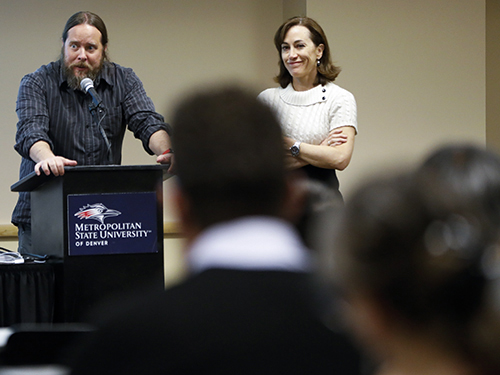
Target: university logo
96,211
129,226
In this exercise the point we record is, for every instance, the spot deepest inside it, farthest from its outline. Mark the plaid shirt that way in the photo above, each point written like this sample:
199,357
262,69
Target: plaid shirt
50,111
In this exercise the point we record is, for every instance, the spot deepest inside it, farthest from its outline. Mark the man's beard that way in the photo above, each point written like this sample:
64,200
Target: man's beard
74,80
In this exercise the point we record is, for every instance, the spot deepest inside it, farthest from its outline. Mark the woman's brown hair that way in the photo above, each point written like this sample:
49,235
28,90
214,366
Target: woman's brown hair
327,71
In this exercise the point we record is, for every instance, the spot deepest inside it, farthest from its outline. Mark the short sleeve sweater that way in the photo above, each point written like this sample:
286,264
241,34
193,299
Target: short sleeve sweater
308,116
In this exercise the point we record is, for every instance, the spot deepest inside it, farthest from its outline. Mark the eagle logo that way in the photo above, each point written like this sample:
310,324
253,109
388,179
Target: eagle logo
96,211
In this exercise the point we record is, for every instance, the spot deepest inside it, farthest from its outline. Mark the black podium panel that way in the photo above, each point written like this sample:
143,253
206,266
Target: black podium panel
114,260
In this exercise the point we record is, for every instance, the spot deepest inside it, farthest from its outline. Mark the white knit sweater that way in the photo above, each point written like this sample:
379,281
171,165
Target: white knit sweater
308,116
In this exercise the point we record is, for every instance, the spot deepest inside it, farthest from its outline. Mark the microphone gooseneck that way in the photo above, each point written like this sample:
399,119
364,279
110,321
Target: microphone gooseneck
97,110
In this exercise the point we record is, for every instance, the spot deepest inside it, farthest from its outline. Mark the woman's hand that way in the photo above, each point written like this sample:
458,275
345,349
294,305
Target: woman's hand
335,155
335,138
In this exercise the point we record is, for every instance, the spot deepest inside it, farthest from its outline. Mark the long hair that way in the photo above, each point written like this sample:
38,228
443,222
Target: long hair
88,18
327,71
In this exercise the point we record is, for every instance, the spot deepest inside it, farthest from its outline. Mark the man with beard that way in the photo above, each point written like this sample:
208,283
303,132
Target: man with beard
56,128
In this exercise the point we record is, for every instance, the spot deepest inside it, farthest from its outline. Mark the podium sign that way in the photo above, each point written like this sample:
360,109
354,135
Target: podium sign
112,224
106,223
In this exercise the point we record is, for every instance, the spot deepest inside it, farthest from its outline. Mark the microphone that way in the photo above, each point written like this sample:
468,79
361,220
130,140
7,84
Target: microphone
87,85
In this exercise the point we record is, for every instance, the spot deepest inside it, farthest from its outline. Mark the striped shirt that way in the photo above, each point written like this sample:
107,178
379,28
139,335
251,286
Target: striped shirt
50,111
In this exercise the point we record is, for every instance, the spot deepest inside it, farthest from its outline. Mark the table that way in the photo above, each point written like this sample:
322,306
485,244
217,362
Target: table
27,293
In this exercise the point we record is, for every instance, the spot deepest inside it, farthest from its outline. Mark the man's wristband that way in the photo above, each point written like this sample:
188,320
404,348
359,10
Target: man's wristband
168,151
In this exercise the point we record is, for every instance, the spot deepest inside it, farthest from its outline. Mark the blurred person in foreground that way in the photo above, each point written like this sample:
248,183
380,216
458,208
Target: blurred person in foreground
417,258
247,306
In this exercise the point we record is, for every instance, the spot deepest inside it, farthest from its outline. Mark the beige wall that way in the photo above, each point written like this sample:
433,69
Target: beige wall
493,74
172,45
417,68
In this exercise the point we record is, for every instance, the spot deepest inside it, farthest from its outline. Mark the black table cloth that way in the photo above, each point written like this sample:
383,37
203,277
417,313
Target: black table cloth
27,293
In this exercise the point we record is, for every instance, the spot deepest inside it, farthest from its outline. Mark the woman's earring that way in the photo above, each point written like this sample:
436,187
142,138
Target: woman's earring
318,62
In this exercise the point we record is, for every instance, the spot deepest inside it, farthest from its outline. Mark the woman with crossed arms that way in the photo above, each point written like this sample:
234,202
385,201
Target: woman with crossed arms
318,118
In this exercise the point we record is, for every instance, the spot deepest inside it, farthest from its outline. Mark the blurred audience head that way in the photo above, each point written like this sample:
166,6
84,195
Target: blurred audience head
417,258
229,156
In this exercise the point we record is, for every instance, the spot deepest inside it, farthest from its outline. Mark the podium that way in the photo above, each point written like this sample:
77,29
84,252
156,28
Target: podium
106,224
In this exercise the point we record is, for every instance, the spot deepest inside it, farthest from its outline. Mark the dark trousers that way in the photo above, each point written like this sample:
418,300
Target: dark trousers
24,236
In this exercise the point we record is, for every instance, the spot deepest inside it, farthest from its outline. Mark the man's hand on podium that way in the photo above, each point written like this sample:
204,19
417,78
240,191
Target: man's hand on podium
167,157
54,165
46,161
